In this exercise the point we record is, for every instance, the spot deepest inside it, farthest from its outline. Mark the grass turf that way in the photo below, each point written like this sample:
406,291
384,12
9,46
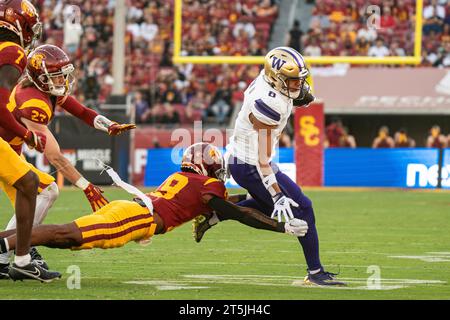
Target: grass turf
403,234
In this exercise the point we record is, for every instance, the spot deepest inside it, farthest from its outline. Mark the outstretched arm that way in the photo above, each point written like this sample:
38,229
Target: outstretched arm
235,198
226,210
93,119
63,165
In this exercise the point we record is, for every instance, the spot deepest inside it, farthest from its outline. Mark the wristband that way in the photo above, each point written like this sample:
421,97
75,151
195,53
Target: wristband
82,183
268,182
277,197
102,123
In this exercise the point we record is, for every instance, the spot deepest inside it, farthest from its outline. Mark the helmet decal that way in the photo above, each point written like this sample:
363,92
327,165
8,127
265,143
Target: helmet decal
36,60
277,63
28,8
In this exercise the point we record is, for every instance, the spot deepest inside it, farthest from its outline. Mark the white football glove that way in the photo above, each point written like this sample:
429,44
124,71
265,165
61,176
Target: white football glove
282,207
296,227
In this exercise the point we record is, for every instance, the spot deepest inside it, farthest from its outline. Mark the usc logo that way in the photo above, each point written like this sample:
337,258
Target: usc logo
28,8
309,131
36,60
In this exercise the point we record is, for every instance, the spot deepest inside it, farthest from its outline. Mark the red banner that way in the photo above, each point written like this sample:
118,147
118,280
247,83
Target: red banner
309,139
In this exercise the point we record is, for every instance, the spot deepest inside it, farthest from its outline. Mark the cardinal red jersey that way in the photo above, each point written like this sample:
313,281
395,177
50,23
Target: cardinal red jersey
179,198
29,103
13,54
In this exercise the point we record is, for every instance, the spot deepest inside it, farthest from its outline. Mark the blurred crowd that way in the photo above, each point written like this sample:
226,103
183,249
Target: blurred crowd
168,94
163,93
337,136
351,28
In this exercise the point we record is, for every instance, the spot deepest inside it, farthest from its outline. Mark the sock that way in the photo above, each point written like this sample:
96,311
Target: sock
214,219
314,271
4,246
44,202
22,261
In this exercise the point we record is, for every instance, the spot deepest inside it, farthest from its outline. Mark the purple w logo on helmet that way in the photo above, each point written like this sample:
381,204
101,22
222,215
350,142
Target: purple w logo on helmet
277,63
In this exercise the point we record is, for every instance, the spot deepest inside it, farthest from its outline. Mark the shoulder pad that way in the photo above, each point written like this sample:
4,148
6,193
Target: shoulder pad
13,54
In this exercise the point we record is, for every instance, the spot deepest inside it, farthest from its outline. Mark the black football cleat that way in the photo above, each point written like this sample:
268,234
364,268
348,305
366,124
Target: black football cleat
323,278
4,269
35,256
32,271
199,226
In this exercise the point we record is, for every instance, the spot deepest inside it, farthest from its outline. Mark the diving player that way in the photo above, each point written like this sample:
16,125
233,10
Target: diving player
198,188
32,102
267,106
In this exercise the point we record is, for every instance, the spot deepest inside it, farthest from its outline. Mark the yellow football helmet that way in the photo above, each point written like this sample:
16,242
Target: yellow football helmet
285,69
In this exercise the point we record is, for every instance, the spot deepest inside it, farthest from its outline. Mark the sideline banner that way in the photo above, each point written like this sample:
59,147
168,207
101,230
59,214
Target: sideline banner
309,139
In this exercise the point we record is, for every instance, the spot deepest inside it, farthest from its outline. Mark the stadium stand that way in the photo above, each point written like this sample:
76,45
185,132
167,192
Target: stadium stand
193,92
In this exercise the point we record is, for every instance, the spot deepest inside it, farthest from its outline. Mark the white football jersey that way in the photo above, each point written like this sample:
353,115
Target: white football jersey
269,107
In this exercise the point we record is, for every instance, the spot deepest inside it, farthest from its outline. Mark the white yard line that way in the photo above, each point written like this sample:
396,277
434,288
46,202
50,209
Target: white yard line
192,281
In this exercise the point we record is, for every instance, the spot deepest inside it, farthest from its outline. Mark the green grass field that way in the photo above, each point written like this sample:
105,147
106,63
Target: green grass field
406,234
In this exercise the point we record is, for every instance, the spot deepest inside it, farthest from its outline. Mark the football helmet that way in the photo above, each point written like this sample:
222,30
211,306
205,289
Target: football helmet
285,70
205,159
21,17
49,68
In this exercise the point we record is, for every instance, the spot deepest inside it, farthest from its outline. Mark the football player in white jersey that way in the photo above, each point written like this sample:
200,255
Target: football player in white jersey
267,106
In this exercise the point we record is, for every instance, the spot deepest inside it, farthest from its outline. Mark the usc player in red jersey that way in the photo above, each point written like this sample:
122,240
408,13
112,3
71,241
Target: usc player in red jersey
197,189
19,28
48,84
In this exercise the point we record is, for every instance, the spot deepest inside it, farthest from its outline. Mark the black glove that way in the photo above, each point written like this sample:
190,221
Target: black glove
305,97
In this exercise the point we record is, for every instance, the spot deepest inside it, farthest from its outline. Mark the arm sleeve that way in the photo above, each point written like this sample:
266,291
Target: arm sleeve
269,114
78,110
235,198
251,217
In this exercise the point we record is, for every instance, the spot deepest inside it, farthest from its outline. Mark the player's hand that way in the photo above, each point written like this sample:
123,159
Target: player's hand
282,207
116,128
95,197
296,227
35,140
305,97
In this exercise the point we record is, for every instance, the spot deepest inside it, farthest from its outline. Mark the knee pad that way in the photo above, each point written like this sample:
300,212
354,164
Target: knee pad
51,192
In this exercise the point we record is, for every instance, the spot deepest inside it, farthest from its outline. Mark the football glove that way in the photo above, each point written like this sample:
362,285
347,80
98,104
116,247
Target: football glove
305,97
282,207
296,227
35,140
95,197
116,128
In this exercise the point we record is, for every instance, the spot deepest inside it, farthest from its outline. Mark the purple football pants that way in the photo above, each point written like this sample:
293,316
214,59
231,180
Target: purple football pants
247,177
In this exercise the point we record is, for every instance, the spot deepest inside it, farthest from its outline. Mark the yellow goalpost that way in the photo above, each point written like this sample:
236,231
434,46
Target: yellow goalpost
398,60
